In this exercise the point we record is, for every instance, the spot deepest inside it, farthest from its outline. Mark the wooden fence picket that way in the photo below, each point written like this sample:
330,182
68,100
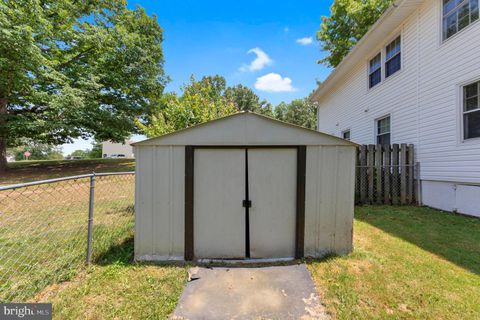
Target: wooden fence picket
386,174
370,163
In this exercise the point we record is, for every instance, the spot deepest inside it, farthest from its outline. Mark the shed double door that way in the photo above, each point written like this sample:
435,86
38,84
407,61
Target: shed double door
244,203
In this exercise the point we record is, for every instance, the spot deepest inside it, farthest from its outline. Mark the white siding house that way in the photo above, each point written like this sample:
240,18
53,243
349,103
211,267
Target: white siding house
115,150
431,101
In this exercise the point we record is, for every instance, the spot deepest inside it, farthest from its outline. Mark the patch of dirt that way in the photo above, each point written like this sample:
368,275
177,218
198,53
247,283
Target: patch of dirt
359,267
54,289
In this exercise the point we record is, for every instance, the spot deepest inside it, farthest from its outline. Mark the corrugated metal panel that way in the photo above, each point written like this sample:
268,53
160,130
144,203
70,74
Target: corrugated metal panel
329,200
159,203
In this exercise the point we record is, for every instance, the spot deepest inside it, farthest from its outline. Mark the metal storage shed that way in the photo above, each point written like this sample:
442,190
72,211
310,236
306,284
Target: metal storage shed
243,187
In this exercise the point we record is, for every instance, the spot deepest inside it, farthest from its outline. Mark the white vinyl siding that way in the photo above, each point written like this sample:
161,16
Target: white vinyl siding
424,100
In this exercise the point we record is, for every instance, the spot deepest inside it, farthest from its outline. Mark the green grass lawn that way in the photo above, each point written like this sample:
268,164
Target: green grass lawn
408,263
43,230
117,288
25,171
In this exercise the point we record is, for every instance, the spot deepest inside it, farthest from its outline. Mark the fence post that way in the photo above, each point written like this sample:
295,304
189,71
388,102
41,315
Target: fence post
90,218
371,171
363,174
395,175
418,196
403,173
378,175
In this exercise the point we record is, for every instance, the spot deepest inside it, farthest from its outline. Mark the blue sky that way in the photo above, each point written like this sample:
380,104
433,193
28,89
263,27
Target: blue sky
226,37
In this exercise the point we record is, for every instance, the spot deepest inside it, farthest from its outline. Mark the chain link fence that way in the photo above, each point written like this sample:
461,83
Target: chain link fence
50,229
387,184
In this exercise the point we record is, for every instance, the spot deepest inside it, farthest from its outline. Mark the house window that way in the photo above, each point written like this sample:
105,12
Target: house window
346,135
383,131
393,61
457,14
375,71
471,111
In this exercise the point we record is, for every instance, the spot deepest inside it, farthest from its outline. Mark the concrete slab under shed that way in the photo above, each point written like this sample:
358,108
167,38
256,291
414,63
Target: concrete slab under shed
276,292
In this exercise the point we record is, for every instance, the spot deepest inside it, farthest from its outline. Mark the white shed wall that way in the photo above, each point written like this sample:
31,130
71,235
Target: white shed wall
423,98
329,200
159,201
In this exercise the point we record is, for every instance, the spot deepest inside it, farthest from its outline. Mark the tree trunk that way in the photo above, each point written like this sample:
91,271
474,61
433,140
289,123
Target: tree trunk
3,135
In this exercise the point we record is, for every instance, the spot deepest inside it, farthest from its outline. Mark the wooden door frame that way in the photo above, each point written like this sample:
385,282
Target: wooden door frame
300,194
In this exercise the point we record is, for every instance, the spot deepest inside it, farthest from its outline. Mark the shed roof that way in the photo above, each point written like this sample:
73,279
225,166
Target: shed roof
245,128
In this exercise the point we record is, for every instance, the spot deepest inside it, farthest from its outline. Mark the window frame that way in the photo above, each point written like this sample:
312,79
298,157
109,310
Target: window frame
443,38
399,32
377,120
369,73
349,134
462,112
399,36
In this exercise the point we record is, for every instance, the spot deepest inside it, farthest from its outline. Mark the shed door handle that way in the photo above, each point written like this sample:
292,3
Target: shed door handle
247,203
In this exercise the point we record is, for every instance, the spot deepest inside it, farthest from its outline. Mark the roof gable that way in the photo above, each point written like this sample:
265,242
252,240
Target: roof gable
391,19
245,128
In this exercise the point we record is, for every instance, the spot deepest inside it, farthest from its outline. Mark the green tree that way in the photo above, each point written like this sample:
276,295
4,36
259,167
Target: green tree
200,101
80,153
349,21
300,112
38,151
246,100
96,152
73,69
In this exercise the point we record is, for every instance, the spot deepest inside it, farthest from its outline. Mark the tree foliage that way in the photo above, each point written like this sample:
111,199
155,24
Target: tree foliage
38,151
96,152
80,153
349,21
200,101
246,100
210,98
300,112
73,69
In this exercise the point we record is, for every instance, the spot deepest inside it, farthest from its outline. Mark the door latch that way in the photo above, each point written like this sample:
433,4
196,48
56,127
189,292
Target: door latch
247,203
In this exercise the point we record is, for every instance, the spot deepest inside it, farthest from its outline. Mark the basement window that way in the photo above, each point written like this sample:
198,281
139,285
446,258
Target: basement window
375,71
346,135
393,61
471,111
458,14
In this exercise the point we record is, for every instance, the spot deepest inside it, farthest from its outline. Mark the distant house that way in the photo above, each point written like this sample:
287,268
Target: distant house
415,78
117,150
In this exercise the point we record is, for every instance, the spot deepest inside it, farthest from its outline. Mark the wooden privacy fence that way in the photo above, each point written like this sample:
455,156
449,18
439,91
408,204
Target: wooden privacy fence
386,175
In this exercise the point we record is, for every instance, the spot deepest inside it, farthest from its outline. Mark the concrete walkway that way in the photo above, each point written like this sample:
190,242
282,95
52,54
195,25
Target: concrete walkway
283,292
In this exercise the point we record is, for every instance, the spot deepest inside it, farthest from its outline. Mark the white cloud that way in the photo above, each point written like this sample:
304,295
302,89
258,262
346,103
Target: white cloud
261,61
286,29
305,41
273,82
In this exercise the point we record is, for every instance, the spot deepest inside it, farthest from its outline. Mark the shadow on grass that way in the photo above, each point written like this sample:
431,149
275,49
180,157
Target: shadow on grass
453,237
121,253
